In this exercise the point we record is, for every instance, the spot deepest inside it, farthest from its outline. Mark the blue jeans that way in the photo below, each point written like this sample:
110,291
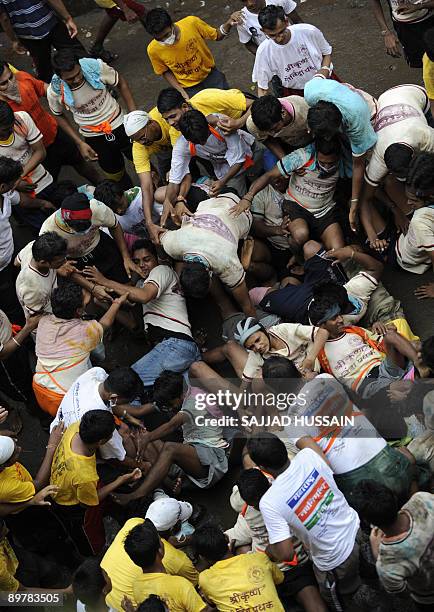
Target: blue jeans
171,354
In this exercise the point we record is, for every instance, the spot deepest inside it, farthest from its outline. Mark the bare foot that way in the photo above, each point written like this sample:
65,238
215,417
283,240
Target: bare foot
246,252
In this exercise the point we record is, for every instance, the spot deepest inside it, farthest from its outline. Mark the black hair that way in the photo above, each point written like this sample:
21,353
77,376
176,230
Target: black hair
152,604
144,243
66,299
278,373
319,307
266,112
397,158
79,225
267,450
194,126
48,246
124,382
252,485
64,60
96,425
88,582
331,290
427,351
7,116
62,190
167,387
3,65
194,280
156,20
428,43
108,192
329,147
142,544
10,170
270,15
210,542
168,99
376,504
324,119
420,175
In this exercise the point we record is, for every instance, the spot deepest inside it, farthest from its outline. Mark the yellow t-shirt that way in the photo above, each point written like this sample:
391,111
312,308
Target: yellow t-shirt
8,567
178,593
142,153
107,4
244,582
123,572
428,76
230,102
189,58
75,475
16,485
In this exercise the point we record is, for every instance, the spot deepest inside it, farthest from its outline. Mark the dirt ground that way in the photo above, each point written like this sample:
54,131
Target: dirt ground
359,58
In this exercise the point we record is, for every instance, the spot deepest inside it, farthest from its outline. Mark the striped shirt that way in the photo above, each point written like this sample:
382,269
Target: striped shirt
30,19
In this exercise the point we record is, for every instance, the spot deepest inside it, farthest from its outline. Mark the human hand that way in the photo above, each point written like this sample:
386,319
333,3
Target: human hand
18,48
401,221
130,15
216,187
341,254
131,476
56,436
71,27
167,212
94,275
155,232
101,294
86,151
424,291
381,328
180,211
33,321
392,45
237,18
228,124
3,414
378,244
243,204
131,267
39,499
121,299
352,216
67,268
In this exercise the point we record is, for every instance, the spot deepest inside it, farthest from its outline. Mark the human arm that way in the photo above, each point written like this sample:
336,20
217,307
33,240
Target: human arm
230,124
365,210
62,12
391,42
105,491
39,499
164,430
125,91
16,341
141,295
117,234
263,230
257,186
171,79
217,186
42,478
423,292
241,295
275,147
130,15
6,24
309,442
109,316
38,155
356,187
86,151
354,253
250,46
317,345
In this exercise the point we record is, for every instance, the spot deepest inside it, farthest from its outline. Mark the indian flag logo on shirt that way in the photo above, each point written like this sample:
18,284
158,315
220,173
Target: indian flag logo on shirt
311,499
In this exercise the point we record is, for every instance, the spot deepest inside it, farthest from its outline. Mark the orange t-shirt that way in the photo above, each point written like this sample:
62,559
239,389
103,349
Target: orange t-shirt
31,91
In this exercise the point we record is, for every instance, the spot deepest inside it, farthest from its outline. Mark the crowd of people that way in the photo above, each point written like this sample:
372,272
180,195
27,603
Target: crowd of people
275,213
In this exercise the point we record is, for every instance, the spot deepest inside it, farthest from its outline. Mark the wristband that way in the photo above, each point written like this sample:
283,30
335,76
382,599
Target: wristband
329,68
352,255
223,31
247,199
181,198
16,342
354,200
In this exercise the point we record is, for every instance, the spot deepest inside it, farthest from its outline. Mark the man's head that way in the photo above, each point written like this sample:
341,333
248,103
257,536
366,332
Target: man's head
397,158
252,336
77,213
325,312
167,515
268,452
143,545
172,106
66,65
252,485
9,452
428,43
8,82
280,374
96,427
90,583
62,190
324,120
269,115
169,390
427,353
141,128
334,292
194,127
195,280
376,504
254,6
419,186
68,301
144,254
112,195
7,121
328,153
159,24
50,250
274,23
209,541
122,386
10,173
152,604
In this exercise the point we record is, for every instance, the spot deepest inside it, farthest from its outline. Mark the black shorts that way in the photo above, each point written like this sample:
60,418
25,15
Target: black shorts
317,225
296,579
279,259
107,258
61,152
111,152
411,38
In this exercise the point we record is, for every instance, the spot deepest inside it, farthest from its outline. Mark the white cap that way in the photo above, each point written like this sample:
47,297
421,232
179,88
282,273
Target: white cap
7,447
135,121
165,512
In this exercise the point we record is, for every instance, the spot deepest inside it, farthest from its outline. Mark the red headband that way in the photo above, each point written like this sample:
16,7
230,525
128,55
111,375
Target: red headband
76,215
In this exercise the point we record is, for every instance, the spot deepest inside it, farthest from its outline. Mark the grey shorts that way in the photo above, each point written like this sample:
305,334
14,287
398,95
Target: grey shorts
382,376
215,460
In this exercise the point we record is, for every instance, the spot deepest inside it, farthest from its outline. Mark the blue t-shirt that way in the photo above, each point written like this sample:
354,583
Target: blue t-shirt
355,112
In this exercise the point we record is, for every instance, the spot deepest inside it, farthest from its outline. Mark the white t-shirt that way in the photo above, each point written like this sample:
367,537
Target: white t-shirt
400,119
34,288
223,153
5,329
80,245
407,11
7,200
133,220
17,147
347,448
413,248
250,29
267,207
297,339
91,106
168,309
359,289
212,235
82,397
304,501
294,63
